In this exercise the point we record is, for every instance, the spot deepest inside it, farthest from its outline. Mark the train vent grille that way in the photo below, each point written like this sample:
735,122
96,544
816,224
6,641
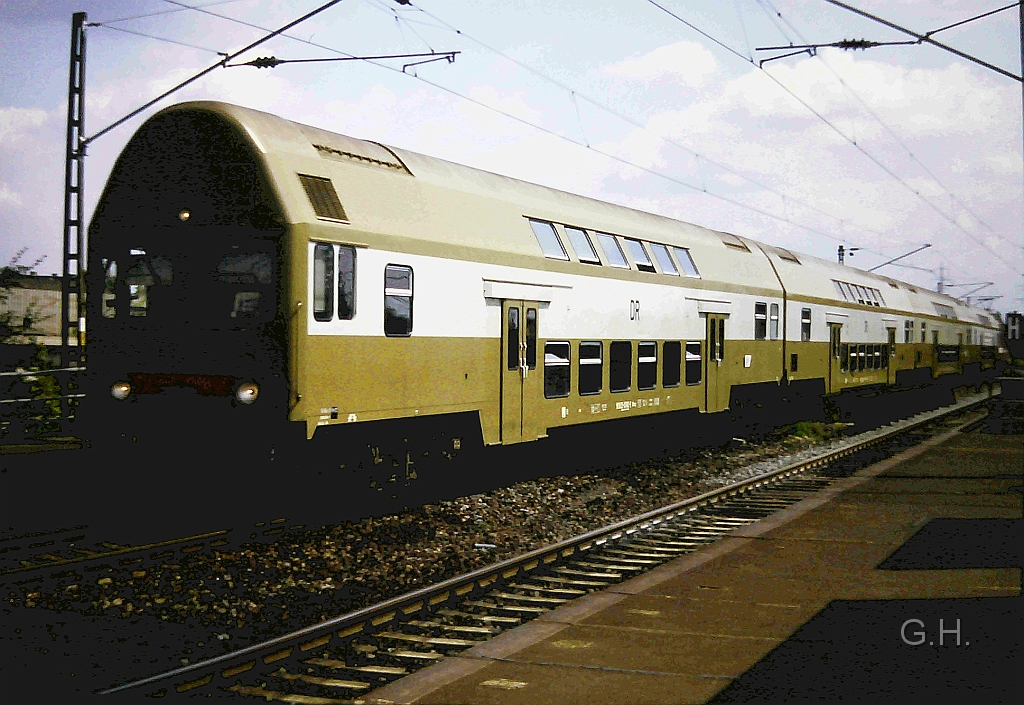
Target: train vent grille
323,198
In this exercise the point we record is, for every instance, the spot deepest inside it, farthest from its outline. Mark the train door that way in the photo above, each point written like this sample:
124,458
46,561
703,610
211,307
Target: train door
889,358
715,389
835,336
520,381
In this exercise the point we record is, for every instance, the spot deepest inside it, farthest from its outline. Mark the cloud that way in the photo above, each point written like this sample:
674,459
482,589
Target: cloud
15,122
687,62
9,197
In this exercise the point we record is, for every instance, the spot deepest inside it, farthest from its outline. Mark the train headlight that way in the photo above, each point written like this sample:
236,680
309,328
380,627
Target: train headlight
247,392
120,390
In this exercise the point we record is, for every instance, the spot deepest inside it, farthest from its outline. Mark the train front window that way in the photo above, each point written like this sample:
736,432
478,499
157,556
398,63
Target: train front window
145,273
229,285
245,271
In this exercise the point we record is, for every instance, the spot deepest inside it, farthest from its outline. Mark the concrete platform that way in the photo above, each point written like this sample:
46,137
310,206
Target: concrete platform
797,606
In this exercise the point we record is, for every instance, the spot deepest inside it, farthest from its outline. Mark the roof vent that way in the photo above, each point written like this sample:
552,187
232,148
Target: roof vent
731,240
352,150
786,255
323,198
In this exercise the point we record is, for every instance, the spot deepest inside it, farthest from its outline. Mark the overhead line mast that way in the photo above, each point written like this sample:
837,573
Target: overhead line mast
73,275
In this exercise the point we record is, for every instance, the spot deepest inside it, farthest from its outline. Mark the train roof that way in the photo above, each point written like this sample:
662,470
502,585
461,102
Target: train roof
429,199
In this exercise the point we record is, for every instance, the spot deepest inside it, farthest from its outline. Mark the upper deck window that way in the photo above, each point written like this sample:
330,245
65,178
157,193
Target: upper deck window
686,262
550,245
612,250
944,310
581,243
664,260
760,320
864,295
805,325
639,254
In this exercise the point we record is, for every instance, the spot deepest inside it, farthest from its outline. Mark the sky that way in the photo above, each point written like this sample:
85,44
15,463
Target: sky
884,149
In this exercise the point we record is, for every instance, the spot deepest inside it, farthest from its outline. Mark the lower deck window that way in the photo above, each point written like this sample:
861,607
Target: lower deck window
794,361
591,367
693,366
556,370
397,300
620,365
844,357
647,365
671,359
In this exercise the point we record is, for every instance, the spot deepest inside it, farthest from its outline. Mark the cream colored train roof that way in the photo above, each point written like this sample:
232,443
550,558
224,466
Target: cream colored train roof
395,191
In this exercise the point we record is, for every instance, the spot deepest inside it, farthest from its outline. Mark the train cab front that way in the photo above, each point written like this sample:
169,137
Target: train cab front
186,333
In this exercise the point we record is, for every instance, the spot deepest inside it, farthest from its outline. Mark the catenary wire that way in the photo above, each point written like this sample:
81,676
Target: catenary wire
878,119
625,118
840,132
165,12
152,36
548,131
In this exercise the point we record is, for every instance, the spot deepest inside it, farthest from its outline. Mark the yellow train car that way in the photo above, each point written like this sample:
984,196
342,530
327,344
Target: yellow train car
268,275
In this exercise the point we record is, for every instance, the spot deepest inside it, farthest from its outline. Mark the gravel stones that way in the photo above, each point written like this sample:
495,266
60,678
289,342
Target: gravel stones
255,590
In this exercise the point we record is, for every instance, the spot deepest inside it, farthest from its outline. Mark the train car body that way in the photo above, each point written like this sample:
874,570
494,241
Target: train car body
281,275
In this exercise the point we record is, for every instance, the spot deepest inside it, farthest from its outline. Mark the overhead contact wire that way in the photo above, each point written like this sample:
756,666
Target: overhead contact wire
625,118
879,120
839,132
547,130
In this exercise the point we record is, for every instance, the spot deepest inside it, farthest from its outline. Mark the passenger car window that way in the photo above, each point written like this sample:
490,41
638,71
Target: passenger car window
323,282
346,282
775,321
581,243
639,255
591,367
612,251
760,320
556,370
620,365
397,300
693,364
550,245
686,262
671,360
805,324
647,365
664,260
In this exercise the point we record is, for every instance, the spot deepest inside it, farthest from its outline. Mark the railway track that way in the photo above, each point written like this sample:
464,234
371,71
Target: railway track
343,658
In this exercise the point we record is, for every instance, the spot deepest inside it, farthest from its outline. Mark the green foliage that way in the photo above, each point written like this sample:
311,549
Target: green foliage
815,430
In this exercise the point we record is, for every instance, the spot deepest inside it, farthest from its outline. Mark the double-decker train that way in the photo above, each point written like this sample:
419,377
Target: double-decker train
280,285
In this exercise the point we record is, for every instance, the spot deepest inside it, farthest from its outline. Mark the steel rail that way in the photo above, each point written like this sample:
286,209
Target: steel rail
97,556
410,602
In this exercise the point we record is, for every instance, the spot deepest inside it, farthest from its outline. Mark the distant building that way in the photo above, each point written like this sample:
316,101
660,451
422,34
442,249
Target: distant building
34,299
